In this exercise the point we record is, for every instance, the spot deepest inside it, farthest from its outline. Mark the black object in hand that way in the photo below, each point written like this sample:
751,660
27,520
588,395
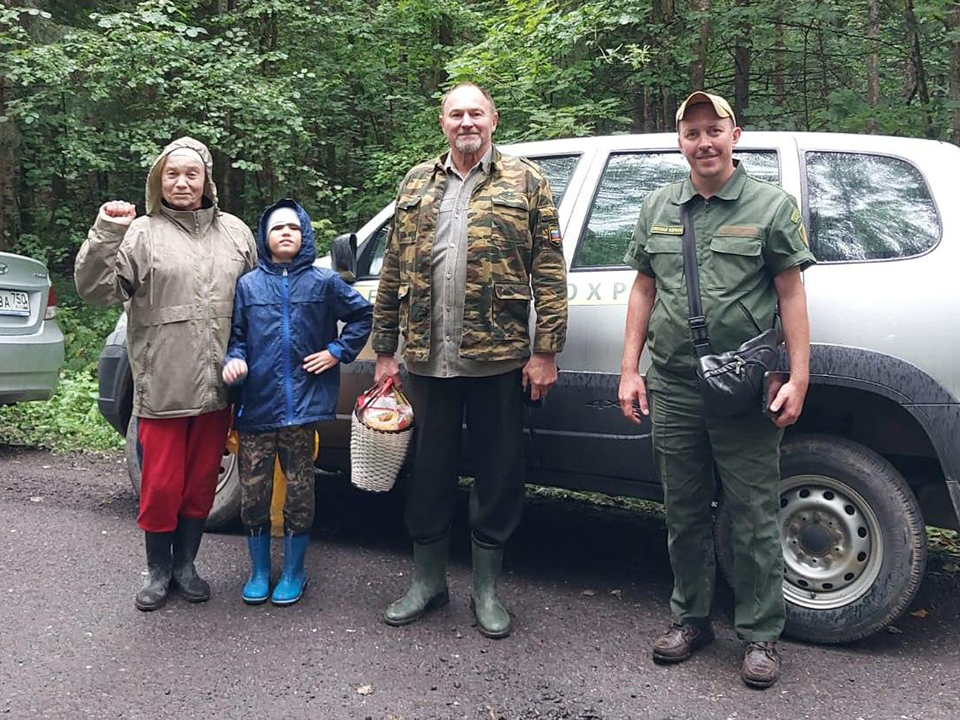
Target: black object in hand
528,399
773,380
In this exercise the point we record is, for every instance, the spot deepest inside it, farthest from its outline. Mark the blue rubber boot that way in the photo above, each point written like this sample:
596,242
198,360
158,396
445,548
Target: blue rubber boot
294,578
257,588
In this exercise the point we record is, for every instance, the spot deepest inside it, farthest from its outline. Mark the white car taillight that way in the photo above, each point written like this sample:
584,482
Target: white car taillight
51,312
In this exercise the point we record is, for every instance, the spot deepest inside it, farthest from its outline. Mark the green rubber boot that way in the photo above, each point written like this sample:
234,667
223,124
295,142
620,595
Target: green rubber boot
428,590
493,620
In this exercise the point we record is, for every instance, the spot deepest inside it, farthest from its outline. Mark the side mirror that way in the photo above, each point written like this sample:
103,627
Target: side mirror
343,256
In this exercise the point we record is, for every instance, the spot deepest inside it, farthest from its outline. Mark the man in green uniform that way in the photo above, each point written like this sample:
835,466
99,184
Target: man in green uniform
751,247
474,239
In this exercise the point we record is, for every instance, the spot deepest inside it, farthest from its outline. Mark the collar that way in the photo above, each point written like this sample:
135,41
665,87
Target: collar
489,161
190,220
730,191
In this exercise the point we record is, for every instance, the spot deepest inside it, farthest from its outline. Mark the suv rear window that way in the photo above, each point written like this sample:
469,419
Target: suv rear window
627,180
868,207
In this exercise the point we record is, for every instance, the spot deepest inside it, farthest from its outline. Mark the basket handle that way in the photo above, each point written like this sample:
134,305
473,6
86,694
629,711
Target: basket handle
376,392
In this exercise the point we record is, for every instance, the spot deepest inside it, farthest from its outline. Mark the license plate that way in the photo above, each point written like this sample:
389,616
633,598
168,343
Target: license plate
14,302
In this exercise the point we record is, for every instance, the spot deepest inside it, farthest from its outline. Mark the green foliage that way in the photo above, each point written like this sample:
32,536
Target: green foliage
331,107
84,329
68,421
331,103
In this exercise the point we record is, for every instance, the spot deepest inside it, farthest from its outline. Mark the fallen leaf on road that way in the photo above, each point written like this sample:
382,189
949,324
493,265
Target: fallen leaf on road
894,630
617,593
45,467
589,593
365,689
36,498
921,613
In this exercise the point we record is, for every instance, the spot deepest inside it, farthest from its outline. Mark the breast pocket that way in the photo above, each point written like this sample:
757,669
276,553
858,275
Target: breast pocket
731,261
511,219
666,260
407,219
406,226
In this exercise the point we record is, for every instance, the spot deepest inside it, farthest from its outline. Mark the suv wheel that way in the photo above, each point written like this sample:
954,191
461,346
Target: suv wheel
226,504
854,542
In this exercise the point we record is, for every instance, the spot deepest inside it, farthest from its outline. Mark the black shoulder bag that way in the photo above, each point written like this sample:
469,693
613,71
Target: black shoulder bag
731,383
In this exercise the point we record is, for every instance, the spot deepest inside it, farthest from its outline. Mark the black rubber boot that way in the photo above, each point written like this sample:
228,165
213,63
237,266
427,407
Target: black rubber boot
153,594
493,620
186,543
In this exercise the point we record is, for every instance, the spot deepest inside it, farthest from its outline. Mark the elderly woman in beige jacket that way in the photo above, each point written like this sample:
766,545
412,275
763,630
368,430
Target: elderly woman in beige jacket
175,269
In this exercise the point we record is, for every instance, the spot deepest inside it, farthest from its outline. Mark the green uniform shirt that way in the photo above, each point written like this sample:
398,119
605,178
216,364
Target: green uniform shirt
747,234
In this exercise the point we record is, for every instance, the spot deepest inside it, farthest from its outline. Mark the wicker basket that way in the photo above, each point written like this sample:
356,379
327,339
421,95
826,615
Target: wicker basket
376,455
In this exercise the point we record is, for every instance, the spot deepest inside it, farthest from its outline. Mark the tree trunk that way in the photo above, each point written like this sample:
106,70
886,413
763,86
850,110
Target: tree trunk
668,101
639,108
741,78
9,171
779,53
953,25
650,110
697,69
919,75
873,76
444,39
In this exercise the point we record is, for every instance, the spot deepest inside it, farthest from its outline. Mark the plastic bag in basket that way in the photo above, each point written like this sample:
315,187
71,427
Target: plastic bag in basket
385,408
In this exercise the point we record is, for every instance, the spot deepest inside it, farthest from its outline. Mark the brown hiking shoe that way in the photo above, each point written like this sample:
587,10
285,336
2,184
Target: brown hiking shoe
761,665
679,642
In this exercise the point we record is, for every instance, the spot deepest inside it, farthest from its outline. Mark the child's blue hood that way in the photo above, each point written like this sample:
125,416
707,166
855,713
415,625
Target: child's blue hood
308,249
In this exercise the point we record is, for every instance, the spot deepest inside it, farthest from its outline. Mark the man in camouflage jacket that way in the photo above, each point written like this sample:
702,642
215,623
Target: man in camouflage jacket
475,237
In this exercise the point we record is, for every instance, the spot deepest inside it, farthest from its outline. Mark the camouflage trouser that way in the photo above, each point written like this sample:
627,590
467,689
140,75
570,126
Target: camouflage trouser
294,446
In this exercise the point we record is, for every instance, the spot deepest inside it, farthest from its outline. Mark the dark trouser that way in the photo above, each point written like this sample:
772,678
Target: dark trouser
294,446
746,451
180,463
494,412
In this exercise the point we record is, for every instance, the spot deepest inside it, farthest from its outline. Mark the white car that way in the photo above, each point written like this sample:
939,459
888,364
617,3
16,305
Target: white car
31,344
875,455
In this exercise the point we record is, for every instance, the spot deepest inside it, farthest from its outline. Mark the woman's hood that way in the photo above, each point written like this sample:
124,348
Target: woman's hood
153,191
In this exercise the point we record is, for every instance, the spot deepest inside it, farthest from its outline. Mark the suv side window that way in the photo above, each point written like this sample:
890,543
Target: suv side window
627,179
558,170
868,207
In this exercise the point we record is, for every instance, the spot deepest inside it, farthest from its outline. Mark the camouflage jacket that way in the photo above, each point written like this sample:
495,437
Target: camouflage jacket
514,254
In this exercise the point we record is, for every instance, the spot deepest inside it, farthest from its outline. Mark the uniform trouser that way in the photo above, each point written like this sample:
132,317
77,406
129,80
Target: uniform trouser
180,463
746,452
494,412
294,447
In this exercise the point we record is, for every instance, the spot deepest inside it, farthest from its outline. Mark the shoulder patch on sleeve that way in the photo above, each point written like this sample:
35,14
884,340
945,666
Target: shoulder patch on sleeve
795,216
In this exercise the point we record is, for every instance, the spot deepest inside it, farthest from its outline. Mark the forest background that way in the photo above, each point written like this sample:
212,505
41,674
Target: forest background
330,103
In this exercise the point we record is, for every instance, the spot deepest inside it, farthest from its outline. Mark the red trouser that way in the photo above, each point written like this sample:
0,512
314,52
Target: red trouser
180,466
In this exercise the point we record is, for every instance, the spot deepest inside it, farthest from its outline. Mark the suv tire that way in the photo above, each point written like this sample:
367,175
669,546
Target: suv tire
853,538
226,503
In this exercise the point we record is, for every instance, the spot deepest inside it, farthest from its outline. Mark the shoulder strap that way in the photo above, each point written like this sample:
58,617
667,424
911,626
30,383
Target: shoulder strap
695,317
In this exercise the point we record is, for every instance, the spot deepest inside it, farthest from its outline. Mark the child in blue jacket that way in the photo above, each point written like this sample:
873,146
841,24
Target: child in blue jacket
285,351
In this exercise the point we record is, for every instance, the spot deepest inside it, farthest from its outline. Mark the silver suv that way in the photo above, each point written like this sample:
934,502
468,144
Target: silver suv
874,457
